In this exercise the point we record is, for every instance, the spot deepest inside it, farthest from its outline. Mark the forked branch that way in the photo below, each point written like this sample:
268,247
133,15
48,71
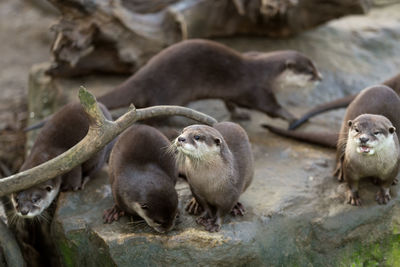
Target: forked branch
101,132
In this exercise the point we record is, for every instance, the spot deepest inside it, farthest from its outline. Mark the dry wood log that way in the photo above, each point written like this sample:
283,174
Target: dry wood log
120,36
101,132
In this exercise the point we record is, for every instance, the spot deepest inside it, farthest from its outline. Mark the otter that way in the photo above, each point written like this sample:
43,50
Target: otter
375,100
30,211
219,167
143,176
372,150
199,69
393,83
64,130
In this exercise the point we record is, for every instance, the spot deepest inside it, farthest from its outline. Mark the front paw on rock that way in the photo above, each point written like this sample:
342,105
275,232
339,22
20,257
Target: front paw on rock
382,197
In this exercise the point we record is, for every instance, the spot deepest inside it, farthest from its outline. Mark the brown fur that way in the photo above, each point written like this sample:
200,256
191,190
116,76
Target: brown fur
372,132
378,100
200,69
393,83
141,171
65,129
217,179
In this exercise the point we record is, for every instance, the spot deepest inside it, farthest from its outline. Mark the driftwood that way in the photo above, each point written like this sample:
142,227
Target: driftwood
101,132
120,36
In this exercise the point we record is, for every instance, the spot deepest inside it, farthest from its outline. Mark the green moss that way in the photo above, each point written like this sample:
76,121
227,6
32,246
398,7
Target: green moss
66,253
385,252
86,98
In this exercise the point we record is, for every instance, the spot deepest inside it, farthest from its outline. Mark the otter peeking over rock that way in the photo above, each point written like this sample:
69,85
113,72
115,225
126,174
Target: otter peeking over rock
219,167
372,150
143,176
65,129
201,69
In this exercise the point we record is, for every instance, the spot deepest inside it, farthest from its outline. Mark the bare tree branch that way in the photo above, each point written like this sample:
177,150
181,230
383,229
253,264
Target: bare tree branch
101,132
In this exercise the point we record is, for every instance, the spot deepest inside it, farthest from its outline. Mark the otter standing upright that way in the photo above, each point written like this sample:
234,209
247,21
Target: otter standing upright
219,166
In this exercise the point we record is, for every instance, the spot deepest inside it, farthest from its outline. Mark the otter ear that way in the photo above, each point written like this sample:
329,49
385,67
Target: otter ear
289,63
349,123
392,129
217,141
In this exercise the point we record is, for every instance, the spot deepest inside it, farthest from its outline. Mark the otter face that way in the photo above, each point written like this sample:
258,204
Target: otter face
300,71
159,210
368,136
33,201
199,141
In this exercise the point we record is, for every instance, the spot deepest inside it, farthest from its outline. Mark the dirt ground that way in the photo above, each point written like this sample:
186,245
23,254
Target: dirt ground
25,40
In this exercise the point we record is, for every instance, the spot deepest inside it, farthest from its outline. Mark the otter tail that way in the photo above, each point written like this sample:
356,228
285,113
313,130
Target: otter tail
325,139
335,104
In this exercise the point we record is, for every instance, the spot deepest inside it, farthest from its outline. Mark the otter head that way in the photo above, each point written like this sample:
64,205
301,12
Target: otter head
299,70
369,134
33,201
199,142
159,208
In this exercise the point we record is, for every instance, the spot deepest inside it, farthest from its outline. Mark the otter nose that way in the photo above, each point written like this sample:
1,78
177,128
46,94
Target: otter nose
181,139
364,139
24,211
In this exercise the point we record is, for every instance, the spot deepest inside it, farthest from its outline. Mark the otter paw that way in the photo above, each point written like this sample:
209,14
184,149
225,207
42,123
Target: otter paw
354,200
203,220
112,214
193,207
383,197
395,181
238,209
213,227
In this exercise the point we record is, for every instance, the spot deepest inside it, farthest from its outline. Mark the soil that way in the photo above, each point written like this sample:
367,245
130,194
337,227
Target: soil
25,40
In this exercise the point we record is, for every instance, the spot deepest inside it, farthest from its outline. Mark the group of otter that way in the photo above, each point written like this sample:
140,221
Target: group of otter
216,161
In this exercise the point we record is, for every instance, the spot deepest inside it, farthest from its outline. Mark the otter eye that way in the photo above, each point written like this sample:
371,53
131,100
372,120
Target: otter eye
48,188
376,133
144,206
35,200
196,137
357,131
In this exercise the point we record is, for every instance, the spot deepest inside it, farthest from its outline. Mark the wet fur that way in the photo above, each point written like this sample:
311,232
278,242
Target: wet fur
143,174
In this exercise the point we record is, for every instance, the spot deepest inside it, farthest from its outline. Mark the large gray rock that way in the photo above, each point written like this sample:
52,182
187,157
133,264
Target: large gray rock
296,211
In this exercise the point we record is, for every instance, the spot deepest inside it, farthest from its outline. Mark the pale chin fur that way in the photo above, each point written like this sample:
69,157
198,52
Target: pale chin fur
201,151
291,79
375,146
